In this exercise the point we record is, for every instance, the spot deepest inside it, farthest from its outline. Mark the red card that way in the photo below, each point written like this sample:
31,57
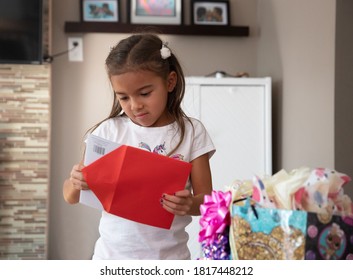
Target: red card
129,182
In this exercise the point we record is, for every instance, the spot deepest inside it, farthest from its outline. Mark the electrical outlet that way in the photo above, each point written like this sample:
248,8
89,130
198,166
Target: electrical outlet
75,53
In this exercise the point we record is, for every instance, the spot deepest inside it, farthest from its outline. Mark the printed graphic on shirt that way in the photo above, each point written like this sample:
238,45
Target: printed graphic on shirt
160,149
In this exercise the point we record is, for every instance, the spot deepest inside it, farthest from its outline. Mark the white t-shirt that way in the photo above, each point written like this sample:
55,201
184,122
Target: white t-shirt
124,239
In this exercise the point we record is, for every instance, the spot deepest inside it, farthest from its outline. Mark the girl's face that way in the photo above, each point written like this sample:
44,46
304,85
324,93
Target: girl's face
143,96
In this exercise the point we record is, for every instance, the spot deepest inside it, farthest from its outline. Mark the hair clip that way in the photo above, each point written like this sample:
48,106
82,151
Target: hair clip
165,51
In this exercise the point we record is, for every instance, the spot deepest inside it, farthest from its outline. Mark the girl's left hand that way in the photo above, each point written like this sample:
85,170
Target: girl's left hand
179,204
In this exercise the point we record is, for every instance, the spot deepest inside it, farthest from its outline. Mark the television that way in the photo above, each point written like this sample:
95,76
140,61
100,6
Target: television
21,31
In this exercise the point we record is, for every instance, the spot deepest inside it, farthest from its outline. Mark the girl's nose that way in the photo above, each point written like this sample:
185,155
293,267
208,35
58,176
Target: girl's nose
135,104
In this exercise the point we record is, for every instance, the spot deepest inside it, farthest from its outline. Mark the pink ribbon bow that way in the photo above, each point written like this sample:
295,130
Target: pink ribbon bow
215,215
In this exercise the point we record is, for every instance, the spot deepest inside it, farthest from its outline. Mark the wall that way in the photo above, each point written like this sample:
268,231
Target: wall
24,161
343,90
290,41
296,48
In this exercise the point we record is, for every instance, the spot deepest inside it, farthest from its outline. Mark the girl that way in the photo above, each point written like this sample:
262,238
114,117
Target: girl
148,85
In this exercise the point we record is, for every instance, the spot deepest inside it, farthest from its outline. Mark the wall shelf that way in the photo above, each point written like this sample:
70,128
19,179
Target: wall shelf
198,30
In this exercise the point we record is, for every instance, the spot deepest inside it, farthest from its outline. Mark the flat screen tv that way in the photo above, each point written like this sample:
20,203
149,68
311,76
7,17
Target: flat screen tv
21,31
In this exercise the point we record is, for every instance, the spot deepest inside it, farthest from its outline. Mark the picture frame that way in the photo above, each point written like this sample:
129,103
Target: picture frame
100,10
215,12
168,12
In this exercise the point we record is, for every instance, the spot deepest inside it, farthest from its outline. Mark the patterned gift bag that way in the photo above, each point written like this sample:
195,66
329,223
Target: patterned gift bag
329,237
267,233
278,234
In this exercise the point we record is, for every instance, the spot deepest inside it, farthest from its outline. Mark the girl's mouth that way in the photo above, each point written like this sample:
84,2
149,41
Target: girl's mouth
141,115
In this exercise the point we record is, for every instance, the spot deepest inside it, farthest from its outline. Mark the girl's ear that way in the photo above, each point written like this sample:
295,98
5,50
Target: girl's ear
171,81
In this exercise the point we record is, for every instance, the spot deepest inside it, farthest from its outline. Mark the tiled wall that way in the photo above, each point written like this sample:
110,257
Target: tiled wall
24,157
24,160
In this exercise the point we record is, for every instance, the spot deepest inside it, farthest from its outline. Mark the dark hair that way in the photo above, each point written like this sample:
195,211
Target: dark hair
201,11
141,52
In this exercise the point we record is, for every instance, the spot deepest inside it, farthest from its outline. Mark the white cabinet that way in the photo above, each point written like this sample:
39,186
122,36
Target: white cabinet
237,114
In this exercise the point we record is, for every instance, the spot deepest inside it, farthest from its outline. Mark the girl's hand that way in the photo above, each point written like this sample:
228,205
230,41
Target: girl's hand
77,179
179,204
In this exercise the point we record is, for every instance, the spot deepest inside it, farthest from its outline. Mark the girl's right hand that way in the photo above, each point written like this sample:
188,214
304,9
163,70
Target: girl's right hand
77,179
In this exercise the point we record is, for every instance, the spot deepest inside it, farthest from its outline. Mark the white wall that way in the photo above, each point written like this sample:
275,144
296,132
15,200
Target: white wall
292,41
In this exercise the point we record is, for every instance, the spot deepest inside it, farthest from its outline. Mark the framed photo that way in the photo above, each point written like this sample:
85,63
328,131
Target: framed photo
210,12
100,10
156,12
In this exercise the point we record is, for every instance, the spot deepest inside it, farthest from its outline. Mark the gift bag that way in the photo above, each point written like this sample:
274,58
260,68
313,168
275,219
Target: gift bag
329,237
278,234
267,234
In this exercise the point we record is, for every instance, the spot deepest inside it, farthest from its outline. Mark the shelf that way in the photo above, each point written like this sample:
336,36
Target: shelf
199,30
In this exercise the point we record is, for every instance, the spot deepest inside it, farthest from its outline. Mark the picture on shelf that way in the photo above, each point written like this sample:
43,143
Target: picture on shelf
156,12
210,12
100,10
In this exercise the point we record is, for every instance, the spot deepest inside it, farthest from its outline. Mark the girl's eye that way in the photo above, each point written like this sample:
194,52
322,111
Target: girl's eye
145,94
122,98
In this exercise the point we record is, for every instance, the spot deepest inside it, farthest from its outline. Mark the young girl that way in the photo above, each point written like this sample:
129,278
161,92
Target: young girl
148,85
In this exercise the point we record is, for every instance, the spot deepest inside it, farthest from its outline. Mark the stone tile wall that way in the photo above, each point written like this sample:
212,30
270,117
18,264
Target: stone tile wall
24,160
